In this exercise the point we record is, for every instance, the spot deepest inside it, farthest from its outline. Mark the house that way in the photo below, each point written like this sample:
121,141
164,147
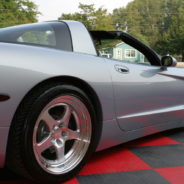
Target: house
124,52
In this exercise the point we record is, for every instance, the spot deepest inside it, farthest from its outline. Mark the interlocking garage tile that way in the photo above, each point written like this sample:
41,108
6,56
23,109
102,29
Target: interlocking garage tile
116,159
177,134
174,175
161,156
131,177
72,181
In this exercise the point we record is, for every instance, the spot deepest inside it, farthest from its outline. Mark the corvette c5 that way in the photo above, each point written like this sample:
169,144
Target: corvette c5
66,92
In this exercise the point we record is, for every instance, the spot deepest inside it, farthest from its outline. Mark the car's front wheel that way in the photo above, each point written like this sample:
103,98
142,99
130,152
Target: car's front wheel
53,133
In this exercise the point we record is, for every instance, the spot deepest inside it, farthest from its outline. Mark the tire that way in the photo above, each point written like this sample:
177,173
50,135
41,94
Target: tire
53,134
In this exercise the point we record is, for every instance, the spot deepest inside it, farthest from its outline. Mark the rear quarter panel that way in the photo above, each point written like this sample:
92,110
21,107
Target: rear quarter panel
23,67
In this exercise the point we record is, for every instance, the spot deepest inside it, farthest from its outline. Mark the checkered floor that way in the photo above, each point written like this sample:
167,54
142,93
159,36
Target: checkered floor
155,159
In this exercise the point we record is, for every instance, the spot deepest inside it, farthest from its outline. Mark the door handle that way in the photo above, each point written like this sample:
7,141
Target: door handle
121,69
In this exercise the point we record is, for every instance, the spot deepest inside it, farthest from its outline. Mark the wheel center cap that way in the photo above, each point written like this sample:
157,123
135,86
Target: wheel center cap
57,134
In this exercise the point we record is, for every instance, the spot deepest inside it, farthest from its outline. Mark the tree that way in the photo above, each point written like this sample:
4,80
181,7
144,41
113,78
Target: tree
159,24
93,19
140,18
13,12
173,34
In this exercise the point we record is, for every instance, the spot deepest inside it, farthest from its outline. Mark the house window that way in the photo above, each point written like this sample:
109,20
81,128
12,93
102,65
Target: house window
130,53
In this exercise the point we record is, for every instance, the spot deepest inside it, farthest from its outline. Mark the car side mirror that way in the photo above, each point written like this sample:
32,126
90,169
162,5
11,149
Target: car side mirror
168,61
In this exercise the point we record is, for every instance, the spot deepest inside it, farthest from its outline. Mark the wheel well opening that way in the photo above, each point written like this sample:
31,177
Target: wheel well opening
80,84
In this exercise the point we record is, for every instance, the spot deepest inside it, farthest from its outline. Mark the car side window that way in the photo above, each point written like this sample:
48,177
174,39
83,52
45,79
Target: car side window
45,37
119,50
48,34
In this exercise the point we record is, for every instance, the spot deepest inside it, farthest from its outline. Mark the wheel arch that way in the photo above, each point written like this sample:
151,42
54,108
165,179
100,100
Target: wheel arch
81,84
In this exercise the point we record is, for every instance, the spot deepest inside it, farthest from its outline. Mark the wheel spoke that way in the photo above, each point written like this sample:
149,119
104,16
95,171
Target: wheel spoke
67,115
45,144
60,151
49,120
72,135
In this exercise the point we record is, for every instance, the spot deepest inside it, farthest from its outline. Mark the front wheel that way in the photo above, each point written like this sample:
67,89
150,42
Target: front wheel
56,132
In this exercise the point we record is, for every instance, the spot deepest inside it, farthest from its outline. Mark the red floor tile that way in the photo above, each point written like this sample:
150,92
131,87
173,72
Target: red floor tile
72,181
174,175
114,160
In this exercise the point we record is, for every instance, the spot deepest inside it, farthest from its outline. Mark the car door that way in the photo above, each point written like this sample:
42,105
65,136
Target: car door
146,95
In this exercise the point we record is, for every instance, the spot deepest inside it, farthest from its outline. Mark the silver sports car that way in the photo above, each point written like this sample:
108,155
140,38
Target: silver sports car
66,92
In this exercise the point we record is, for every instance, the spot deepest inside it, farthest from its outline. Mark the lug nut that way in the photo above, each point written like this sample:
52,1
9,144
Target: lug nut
56,127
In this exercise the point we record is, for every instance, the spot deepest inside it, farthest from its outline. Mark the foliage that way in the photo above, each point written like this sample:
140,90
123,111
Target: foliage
107,44
13,12
157,23
93,19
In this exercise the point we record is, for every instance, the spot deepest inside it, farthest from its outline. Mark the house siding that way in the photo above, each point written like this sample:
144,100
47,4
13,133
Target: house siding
121,49
120,52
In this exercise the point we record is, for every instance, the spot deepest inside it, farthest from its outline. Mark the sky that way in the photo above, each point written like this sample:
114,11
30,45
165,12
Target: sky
52,9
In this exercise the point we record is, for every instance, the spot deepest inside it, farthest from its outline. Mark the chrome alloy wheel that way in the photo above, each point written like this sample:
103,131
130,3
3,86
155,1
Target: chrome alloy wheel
62,135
